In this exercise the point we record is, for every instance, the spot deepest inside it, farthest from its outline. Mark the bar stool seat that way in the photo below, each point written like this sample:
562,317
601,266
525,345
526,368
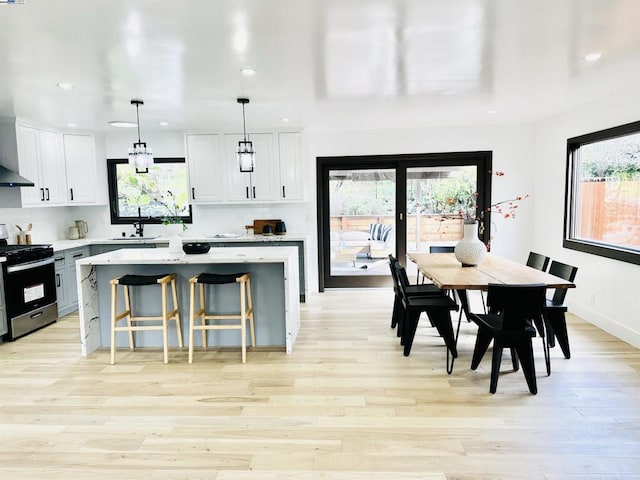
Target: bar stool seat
137,323
246,309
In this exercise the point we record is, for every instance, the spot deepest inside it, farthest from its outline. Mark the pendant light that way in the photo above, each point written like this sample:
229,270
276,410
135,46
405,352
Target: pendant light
140,156
246,155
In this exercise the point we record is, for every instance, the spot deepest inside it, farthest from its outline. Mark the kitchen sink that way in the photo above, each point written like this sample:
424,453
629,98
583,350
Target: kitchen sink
133,238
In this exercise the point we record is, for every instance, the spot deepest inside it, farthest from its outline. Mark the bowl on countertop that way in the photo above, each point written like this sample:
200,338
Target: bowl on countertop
192,248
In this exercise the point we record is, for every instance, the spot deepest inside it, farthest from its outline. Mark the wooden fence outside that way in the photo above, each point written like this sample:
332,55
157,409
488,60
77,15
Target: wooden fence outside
432,228
610,212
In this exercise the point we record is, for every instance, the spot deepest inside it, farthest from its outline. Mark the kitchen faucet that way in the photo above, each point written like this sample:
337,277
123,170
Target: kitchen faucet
139,226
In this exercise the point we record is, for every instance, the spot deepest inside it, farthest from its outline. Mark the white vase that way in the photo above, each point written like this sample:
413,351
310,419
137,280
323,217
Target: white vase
470,250
175,241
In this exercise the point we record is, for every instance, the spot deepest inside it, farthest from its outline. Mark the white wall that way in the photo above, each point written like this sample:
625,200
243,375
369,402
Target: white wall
607,290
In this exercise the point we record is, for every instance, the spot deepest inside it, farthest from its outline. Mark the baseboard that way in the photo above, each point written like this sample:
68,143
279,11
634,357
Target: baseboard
607,324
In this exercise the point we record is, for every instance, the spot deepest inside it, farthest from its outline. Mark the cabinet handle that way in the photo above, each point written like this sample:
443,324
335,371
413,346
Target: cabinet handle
57,280
42,194
71,190
247,192
78,255
254,192
284,194
47,190
59,259
193,193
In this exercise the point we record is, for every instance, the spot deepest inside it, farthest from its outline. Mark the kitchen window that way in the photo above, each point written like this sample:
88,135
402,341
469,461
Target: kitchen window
160,196
602,201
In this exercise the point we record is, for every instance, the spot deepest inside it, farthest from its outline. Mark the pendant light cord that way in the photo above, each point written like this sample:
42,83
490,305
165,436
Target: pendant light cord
244,126
138,122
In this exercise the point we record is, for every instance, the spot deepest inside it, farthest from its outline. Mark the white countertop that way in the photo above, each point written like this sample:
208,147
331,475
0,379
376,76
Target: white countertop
60,245
158,256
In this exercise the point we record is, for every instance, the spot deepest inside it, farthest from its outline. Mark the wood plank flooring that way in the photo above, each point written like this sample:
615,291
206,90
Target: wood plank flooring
346,405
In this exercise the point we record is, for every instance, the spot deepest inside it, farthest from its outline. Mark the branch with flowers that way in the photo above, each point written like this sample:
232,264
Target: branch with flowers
169,203
465,204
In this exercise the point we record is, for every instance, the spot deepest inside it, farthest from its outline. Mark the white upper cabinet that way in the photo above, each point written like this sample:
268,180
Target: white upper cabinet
262,184
41,161
80,162
290,163
206,171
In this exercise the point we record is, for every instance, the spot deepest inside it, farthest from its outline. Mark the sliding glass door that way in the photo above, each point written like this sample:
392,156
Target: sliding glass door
371,207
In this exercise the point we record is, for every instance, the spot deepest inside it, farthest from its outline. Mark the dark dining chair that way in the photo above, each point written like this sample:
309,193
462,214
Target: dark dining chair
509,324
538,261
420,290
554,311
438,310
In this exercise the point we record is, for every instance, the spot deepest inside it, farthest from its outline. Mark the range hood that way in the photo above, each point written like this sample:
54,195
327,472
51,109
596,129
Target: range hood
9,178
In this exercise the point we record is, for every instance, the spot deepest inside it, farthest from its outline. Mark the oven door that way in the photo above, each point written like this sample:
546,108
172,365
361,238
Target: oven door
30,295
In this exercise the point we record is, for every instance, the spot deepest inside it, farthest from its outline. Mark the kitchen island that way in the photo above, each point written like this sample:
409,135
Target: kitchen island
274,282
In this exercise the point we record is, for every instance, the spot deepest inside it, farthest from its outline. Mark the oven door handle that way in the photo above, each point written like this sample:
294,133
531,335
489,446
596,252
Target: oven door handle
30,265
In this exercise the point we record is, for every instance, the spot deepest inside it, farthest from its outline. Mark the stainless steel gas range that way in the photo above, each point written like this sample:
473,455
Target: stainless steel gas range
29,287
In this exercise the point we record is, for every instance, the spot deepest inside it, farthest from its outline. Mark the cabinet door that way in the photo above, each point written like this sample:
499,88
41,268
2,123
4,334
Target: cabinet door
61,291
262,184
239,184
52,171
290,158
80,166
265,185
206,172
28,156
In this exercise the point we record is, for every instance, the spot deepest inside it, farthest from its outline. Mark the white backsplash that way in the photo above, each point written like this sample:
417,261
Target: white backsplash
51,224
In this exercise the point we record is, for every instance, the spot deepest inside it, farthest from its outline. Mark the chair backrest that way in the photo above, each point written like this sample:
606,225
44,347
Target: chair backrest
403,281
566,272
441,249
518,304
393,262
538,261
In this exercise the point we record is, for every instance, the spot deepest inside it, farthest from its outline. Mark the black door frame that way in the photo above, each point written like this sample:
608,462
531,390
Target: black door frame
481,159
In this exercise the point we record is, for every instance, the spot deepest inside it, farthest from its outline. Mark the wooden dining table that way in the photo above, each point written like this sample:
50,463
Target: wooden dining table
447,273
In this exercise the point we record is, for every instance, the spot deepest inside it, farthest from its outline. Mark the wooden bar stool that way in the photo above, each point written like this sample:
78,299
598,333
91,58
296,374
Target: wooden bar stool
141,323
246,309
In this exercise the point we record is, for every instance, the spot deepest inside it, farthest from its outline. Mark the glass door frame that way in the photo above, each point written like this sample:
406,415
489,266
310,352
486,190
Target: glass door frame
401,162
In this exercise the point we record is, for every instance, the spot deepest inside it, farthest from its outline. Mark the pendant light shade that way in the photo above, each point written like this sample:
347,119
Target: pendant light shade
246,154
140,156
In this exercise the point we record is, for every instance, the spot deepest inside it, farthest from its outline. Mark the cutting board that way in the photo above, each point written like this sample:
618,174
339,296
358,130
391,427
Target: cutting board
259,224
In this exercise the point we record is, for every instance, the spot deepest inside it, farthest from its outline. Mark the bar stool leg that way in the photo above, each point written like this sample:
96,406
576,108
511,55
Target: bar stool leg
114,301
192,298
165,314
251,326
243,320
202,314
174,294
127,310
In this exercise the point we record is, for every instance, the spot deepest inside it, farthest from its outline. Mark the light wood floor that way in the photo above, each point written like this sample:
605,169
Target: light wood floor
345,405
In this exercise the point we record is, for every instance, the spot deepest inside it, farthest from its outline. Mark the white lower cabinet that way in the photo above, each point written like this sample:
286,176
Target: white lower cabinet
66,280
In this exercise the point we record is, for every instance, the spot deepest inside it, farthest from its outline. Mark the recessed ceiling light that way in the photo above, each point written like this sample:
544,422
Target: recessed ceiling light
121,124
164,124
592,57
72,125
65,85
248,72
284,120
492,112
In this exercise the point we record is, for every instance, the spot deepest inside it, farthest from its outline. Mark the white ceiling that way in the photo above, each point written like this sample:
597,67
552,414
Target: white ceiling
334,64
